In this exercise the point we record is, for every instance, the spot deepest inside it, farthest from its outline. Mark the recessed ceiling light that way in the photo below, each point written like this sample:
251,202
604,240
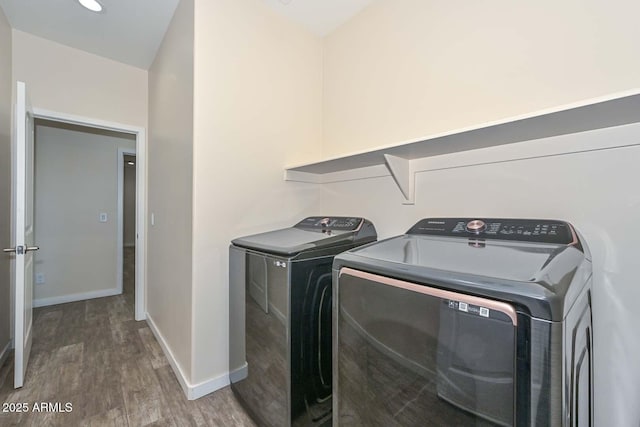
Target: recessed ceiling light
92,5
130,163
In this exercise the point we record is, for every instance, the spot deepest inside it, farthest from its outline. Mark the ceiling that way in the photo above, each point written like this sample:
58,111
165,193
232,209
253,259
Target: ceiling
319,16
131,31
128,31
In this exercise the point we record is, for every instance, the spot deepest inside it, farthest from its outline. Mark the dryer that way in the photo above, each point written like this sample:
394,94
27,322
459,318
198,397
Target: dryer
465,321
280,318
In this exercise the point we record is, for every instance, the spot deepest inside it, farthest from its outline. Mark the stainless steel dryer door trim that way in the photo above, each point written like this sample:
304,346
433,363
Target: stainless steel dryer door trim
439,293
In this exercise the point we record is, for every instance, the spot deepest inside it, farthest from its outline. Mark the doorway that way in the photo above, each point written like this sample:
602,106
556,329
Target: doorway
127,226
138,137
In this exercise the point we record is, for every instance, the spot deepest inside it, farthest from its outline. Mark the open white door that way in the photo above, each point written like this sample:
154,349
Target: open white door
23,223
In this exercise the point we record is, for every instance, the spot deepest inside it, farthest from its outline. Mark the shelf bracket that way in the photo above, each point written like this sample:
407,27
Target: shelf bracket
404,176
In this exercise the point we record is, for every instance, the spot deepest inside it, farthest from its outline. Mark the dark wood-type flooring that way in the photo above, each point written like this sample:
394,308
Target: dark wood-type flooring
94,355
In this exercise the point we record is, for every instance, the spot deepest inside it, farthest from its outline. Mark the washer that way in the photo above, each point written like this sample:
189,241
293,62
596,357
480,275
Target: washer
465,321
280,318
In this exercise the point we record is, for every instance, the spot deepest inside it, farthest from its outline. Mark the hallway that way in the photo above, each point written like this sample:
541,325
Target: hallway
94,355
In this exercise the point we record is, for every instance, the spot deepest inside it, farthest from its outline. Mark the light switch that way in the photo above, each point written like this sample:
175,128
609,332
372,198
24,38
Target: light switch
103,217
39,278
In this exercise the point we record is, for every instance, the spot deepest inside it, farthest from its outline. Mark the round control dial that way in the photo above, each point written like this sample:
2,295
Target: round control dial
476,226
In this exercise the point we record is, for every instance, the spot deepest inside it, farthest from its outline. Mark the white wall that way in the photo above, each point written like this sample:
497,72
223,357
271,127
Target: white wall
76,178
6,85
258,80
129,203
405,69
170,180
67,80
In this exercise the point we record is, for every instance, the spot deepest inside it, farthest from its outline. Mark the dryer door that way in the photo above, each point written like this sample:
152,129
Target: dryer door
414,355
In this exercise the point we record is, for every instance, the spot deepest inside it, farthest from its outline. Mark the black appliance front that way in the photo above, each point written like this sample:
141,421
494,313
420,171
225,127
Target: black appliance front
412,354
311,342
465,322
289,362
281,318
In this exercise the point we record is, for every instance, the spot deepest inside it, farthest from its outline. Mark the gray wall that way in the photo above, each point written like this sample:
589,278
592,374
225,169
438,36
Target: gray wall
5,179
76,180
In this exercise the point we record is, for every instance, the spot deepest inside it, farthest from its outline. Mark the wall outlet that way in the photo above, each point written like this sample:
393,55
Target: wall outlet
103,217
39,278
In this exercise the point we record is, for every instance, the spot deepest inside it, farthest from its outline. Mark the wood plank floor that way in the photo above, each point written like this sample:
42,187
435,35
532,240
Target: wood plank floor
94,355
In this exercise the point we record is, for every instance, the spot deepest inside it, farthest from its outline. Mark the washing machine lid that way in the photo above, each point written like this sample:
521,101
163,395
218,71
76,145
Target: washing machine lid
310,234
535,271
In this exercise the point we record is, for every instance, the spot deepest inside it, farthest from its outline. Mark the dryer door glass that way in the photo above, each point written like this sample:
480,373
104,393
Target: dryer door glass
414,355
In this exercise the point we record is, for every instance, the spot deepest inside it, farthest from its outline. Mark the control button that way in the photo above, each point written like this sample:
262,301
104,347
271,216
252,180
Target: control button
458,228
476,226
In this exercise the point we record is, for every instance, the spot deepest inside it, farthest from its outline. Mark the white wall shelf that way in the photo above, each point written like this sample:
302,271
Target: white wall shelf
399,160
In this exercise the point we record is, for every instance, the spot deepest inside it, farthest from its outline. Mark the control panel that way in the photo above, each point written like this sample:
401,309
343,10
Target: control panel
525,230
330,223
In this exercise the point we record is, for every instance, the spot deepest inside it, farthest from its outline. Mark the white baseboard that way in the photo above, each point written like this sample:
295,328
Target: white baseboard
239,374
208,386
63,299
191,391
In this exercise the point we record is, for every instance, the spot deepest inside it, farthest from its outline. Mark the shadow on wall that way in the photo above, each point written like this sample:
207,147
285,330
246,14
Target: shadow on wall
619,338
